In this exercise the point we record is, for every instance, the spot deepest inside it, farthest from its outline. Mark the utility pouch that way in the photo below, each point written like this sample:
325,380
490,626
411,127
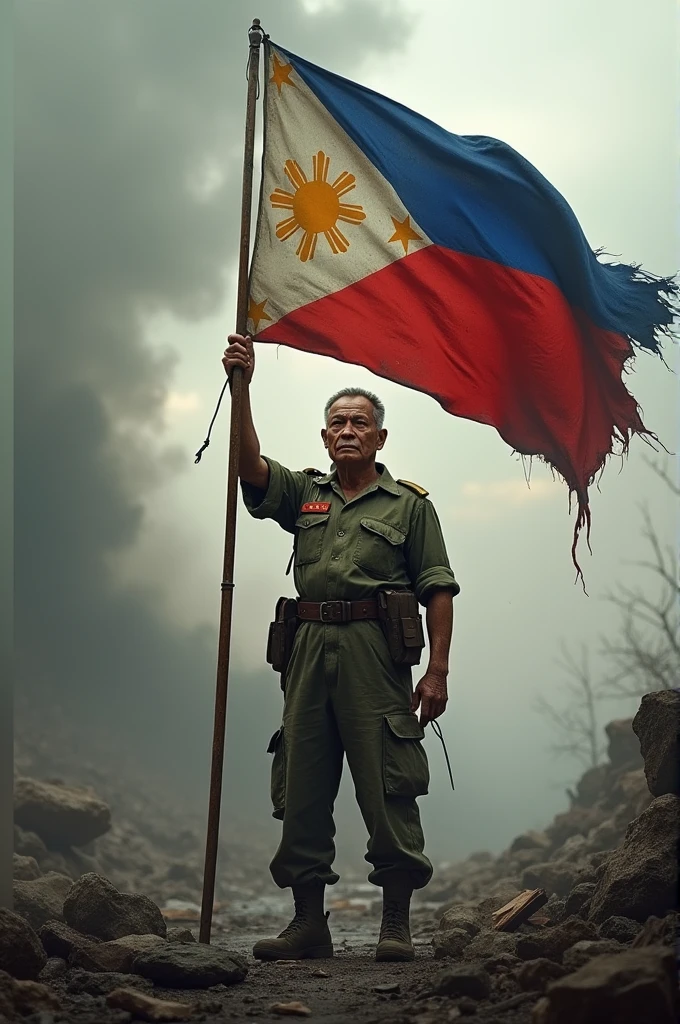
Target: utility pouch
281,635
402,625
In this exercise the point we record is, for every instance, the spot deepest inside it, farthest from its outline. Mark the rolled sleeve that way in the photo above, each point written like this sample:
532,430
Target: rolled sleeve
281,500
428,562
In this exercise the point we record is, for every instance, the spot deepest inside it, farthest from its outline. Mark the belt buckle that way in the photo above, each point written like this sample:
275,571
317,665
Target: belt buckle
335,611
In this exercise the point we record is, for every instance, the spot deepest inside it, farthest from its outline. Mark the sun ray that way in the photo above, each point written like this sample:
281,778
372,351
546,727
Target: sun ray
286,228
344,183
351,214
337,240
320,165
305,249
295,174
281,199
316,207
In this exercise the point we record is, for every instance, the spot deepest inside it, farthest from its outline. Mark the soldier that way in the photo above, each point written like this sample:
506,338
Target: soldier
357,533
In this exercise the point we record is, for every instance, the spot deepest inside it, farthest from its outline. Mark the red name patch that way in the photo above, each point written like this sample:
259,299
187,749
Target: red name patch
316,506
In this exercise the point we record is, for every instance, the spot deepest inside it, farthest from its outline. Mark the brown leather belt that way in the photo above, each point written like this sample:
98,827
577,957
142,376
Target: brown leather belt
337,611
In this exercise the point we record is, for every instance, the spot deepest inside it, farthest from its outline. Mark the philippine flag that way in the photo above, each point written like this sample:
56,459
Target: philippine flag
446,263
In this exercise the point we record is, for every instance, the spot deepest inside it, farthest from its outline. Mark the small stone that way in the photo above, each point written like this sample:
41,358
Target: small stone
95,907
190,965
21,953
24,869
463,980
503,963
554,876
28,844
30,997
144,1007
54,969
467,1007
534,975
583,952
620,929
489,944
294,1009
320,973
532,840
59,940
62,816
386,988
42,899
100,984
579,897
552,942
180,935
450,943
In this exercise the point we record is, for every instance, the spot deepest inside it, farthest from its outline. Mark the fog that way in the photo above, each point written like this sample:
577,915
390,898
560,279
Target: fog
129,121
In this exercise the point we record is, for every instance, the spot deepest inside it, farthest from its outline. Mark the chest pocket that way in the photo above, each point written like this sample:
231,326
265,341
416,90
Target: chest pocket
378,547
309,534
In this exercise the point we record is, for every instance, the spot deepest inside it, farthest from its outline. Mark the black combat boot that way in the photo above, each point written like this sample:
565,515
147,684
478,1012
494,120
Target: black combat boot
395,934
307,936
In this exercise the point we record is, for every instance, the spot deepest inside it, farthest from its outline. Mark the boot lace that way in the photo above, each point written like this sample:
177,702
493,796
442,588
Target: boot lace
395,921
301,920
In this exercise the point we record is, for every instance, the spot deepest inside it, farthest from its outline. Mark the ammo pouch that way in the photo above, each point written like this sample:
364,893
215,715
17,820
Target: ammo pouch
281,635
402,625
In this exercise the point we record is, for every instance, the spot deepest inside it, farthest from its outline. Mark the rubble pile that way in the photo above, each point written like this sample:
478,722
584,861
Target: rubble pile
586,934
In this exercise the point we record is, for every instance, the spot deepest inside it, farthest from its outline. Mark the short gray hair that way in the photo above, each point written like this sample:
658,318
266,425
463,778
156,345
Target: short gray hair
378,407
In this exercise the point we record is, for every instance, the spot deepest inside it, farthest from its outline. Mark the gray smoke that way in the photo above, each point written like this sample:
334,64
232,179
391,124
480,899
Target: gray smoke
118,108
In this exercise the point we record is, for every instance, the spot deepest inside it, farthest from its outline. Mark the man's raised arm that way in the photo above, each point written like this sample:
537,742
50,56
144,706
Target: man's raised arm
252,468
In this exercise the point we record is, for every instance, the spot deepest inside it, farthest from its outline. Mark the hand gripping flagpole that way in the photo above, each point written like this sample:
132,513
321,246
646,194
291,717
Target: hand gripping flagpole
255,37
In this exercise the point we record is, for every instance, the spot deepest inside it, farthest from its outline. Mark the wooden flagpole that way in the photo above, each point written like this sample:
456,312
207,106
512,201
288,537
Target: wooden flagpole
255,37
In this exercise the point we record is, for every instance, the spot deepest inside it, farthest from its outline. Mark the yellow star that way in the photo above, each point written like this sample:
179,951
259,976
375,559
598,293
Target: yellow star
281,74
256,312
404,233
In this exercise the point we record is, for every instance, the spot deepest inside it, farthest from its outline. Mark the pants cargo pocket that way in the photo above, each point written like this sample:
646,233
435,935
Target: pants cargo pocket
405,768
278,779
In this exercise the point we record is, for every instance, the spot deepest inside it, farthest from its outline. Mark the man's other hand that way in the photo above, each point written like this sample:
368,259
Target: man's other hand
430,695
239,352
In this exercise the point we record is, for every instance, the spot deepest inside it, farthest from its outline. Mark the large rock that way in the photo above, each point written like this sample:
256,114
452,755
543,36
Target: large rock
532,840
95,907
28,844
463,980
21,953
551,943
640,878
657,726
62,816
179,965
635,987
59,940
623,747
42,899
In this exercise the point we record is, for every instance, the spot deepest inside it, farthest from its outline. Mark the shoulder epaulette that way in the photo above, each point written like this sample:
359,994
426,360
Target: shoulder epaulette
416,488
310,471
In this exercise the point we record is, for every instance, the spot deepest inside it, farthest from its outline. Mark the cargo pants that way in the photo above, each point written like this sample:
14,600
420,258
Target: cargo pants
345,696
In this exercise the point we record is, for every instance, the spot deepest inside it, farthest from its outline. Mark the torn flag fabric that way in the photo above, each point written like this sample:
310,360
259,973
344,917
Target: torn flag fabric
449,264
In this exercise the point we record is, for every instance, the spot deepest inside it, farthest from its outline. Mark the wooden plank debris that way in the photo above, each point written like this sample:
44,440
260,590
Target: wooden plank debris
519,909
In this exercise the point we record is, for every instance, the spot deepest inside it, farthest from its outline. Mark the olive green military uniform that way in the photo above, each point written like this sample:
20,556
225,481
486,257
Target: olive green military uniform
343,692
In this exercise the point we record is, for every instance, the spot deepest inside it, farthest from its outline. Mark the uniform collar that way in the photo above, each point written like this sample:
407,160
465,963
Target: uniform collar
385,480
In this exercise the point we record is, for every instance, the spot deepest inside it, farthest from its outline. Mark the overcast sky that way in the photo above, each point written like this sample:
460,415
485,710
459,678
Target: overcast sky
129,136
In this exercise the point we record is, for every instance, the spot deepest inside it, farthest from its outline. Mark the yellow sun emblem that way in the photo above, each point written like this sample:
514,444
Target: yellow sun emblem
316,206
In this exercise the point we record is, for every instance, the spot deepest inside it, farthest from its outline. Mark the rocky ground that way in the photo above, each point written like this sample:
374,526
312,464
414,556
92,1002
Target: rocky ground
106,906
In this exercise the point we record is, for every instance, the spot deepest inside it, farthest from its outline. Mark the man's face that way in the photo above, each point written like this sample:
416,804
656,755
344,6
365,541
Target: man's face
352,434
